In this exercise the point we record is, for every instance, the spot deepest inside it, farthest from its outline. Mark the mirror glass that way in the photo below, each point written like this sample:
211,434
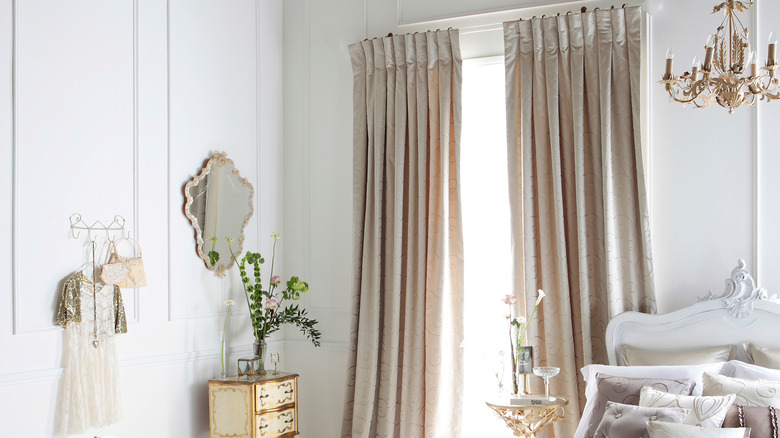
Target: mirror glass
219,205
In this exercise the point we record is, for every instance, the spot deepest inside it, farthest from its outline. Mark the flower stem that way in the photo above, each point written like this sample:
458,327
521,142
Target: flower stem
246,294
525,329
512,354
224,334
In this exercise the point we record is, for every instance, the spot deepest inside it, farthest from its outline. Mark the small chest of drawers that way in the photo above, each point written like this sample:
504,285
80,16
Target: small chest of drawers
264,407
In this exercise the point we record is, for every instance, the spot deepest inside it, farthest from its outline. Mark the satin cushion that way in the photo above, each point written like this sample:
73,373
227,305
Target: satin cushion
763,356
633,356
761,421
622,420
749,392
659,429
626,390
704,411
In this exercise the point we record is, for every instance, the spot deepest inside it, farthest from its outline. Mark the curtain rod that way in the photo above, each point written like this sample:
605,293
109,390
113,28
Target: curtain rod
583,10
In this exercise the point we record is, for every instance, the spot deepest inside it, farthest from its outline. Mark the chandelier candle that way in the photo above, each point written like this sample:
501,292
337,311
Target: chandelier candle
710,46
772,50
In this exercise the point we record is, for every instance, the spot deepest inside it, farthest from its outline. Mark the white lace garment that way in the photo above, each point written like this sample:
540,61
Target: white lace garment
89,390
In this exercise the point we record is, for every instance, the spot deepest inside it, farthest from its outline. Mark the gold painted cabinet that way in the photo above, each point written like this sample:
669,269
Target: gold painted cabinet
264,407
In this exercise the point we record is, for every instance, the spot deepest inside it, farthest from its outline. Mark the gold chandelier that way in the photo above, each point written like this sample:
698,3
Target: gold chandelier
724,78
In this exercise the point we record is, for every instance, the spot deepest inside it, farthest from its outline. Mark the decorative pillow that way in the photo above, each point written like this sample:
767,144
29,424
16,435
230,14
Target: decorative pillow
631,421
633,356
763,356
749,392
742,370
705,411
761,421
690,372
659,429
625,390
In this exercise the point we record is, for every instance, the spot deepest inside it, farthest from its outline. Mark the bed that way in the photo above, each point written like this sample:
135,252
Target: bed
716,362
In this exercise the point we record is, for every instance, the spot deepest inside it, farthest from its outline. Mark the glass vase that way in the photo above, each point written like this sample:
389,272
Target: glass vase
524,363
223,352
254,366
260,347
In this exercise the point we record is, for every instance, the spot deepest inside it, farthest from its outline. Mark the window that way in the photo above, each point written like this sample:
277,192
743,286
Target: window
487,247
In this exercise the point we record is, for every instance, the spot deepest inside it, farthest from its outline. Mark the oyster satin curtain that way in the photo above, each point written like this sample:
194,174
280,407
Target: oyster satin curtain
580,225
405,373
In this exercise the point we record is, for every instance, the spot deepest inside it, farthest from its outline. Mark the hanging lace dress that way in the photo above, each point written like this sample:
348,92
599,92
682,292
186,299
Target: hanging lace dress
89,390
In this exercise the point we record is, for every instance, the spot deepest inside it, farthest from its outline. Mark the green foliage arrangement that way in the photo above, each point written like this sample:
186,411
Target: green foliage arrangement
267,307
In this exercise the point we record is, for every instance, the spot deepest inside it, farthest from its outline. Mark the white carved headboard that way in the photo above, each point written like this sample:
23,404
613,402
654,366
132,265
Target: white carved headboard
742,313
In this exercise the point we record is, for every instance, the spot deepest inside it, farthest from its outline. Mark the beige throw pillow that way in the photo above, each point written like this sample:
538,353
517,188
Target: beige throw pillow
633,356
660,429
704,411
749,392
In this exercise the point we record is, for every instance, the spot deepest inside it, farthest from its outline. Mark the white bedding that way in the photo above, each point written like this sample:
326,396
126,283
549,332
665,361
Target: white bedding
742,314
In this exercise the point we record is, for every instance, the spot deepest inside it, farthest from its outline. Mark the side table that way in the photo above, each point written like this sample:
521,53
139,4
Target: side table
261,407
526,421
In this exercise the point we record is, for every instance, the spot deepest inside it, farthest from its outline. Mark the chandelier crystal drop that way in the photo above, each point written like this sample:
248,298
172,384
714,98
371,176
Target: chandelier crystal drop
730,75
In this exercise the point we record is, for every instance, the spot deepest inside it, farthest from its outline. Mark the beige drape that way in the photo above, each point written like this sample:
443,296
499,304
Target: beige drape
577,187
405,375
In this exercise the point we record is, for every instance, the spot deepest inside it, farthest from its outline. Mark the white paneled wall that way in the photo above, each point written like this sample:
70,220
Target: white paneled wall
109,108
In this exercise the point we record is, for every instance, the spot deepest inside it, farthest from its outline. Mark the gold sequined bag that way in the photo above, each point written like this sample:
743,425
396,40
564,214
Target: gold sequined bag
136,276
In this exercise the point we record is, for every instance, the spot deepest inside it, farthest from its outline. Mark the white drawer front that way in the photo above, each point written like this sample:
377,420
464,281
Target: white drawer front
275,424
273,394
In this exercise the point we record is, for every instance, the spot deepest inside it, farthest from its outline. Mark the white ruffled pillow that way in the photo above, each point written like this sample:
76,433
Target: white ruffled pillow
659,429
705,411
742,370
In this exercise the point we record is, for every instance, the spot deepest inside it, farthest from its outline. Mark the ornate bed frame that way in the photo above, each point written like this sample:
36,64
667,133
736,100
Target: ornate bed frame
743,313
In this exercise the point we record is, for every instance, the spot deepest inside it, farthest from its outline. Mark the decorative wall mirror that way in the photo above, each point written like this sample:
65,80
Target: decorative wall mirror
219,204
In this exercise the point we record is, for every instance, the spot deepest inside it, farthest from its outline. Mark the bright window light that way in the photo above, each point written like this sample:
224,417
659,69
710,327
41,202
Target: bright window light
486,234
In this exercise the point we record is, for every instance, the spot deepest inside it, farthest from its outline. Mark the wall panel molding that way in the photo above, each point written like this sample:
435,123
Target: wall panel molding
174,201
18,324
162,360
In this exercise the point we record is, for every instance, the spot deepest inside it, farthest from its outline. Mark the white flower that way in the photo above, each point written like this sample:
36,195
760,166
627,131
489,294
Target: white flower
521,320
539,298
229,302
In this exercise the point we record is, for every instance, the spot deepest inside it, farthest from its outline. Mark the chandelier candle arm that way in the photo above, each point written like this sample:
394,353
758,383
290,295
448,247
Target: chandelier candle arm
772,49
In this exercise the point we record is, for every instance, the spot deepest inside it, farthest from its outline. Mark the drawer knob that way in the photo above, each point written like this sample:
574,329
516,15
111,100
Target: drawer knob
263,426
290,421
265,395
289,391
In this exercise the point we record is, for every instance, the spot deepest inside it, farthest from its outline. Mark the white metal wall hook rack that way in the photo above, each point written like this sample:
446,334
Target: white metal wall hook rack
77,224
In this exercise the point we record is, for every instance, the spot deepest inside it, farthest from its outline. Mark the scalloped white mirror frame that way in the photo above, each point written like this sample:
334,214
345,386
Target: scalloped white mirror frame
218,159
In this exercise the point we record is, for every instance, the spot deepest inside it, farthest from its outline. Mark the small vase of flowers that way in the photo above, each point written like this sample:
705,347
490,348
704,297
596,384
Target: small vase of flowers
521,355
270,308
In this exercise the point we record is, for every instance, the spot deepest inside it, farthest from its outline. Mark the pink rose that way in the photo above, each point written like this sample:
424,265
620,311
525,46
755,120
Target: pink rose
509,299
276,280
271,303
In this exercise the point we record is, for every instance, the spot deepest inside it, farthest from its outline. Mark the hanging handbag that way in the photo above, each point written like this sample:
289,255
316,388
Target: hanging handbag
136,277
113,273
